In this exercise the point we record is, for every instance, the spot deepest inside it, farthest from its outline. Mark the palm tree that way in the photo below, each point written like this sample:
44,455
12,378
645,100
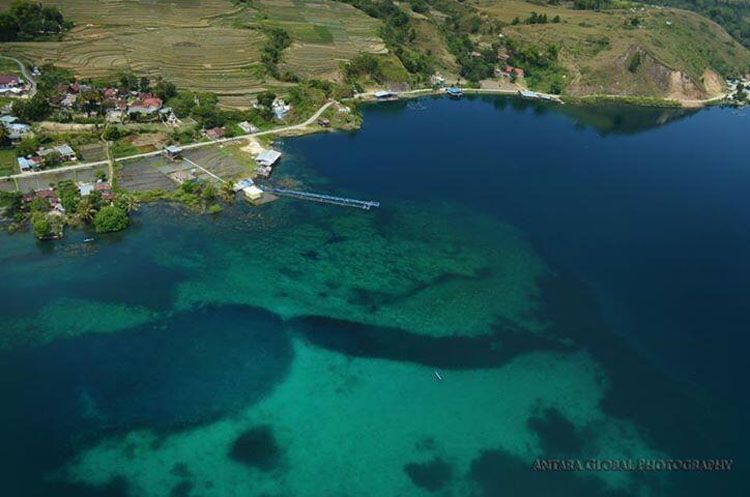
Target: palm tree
227,190
86,209
128,203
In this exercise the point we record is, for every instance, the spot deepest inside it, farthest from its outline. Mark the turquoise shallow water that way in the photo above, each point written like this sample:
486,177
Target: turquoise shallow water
577,277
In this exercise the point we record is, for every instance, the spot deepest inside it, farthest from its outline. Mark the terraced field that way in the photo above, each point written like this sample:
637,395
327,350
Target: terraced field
325,33
205,45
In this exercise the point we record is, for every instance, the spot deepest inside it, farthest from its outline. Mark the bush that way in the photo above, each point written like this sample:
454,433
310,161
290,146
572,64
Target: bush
110,218
41,225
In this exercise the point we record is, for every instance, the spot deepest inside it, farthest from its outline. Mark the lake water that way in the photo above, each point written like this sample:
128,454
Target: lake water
577,276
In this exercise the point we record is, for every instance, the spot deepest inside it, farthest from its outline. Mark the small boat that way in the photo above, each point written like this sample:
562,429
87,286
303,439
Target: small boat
438,375
88,240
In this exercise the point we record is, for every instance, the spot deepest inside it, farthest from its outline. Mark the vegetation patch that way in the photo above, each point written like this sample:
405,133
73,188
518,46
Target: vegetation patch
256,448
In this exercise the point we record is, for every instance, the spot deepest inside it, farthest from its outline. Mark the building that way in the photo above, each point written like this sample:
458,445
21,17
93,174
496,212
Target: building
17,130
243,183
66,152
182,176
85,189
215,133
145,104
28,164
105,190
268,157
173,152
247,127
253,192
69,100
280,108
454,91
324,123
10,83
385,95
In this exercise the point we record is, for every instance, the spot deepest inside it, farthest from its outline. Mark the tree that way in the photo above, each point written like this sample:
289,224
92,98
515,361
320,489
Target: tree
3,135
69,196
164,89
27,146
35,109
86,209
41,225
51,160
128,80
110,218
144,84
127,203
266,99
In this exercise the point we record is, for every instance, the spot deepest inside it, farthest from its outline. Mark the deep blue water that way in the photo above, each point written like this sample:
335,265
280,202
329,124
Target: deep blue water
654,220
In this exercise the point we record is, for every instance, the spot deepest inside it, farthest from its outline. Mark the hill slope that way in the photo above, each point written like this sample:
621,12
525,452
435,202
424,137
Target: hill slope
644,51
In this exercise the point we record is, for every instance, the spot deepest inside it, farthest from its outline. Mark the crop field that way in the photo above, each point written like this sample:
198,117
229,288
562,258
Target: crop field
597,46
141,175
152,173
38,181
204,45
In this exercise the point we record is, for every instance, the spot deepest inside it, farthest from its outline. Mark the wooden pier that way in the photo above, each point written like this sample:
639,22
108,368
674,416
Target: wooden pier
324,199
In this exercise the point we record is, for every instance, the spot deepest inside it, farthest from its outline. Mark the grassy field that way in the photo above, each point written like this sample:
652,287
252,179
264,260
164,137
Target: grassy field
7,161
681,54
204,45
9,67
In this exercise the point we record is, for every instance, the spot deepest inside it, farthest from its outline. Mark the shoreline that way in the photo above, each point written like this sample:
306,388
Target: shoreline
307,127
369,97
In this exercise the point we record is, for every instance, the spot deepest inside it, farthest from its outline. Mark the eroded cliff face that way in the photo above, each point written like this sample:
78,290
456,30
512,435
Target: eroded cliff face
636,72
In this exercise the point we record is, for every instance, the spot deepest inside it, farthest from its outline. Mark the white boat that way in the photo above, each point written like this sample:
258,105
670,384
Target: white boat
438,375
88,240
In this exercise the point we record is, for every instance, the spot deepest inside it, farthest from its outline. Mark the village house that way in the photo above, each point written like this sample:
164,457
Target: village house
10,83
247,127
67,154
173,152
105,190
47,194
215,133
28,164
280,108
16,131
85,189
145,103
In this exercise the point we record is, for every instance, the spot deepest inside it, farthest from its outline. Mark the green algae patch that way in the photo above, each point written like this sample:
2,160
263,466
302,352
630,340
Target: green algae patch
439,270
69,317
351,426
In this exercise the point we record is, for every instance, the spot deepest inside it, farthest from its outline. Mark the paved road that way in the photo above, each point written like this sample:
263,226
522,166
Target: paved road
25,73
88,165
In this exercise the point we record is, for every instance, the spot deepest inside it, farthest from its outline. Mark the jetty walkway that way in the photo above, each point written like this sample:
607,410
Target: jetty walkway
324,199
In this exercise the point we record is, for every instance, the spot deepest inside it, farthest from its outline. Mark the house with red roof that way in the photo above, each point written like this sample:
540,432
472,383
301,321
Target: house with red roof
146,103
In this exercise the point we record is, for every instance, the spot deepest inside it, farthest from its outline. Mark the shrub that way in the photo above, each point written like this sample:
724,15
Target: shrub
110,218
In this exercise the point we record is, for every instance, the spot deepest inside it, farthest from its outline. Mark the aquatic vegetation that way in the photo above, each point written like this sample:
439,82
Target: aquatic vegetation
406,268
334,418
